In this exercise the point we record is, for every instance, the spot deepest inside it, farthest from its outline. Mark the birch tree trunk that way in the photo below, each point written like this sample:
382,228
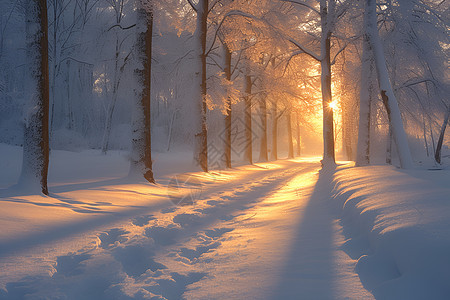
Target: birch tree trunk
36,131
386,91
365,100
200,130
141,153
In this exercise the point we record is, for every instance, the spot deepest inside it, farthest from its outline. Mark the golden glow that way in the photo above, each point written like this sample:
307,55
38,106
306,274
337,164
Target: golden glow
333,105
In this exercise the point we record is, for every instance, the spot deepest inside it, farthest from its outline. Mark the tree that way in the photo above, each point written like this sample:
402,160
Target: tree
141,153
289,133
200,130
299,145
263,157
248,156
386,91
437,154
328,17
36,132
365,101
227,56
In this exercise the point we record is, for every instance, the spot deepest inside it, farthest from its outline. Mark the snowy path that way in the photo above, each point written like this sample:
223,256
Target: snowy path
258,232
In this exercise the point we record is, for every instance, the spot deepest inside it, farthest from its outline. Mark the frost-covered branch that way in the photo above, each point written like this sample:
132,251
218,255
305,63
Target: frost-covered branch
303,4
194,7
305,50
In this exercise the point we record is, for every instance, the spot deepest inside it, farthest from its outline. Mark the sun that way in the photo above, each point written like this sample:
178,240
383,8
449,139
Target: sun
333,105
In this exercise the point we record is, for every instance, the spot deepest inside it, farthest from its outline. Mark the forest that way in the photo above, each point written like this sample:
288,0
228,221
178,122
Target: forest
257,73
145,94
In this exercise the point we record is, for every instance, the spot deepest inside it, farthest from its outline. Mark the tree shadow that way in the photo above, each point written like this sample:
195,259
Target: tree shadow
13,194
307,273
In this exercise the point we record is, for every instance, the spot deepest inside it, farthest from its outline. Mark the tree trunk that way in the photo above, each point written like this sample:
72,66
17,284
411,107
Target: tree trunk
389,146
437,154
36,133
141,155
248,120
263,115
328,124
386,91
365,102
424,127
55,66
289,132
274,153
227,137
299,145
201,131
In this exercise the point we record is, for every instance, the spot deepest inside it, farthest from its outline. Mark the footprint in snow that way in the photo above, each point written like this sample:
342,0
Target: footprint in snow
71,264
193,254
174,287
217,232
137,259
163,236
169,210
110,237
142,220
186,219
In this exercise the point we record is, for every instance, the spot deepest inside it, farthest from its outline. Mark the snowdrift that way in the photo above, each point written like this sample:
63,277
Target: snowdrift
398,227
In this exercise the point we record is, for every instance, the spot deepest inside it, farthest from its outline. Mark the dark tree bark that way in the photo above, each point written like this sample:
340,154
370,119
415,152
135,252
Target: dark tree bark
202,136
248,120
437,155
141,158
36,132
227,137
389,146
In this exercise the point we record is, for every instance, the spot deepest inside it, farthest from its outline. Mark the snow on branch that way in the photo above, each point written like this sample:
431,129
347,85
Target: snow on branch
194,7
303,4
304,50
229,14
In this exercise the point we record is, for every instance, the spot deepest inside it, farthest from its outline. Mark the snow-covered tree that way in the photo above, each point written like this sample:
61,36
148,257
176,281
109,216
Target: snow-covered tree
141,151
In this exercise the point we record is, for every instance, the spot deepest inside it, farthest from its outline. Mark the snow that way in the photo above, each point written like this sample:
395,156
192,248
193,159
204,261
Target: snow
398,224
277,230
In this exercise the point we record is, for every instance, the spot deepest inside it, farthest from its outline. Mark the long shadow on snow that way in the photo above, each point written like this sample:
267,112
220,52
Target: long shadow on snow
307,273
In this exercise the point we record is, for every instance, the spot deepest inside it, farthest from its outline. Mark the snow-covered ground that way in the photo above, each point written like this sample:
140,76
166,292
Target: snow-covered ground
277,230
397,223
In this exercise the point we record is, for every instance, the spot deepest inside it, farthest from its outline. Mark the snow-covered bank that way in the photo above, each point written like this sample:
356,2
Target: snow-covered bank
398,225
